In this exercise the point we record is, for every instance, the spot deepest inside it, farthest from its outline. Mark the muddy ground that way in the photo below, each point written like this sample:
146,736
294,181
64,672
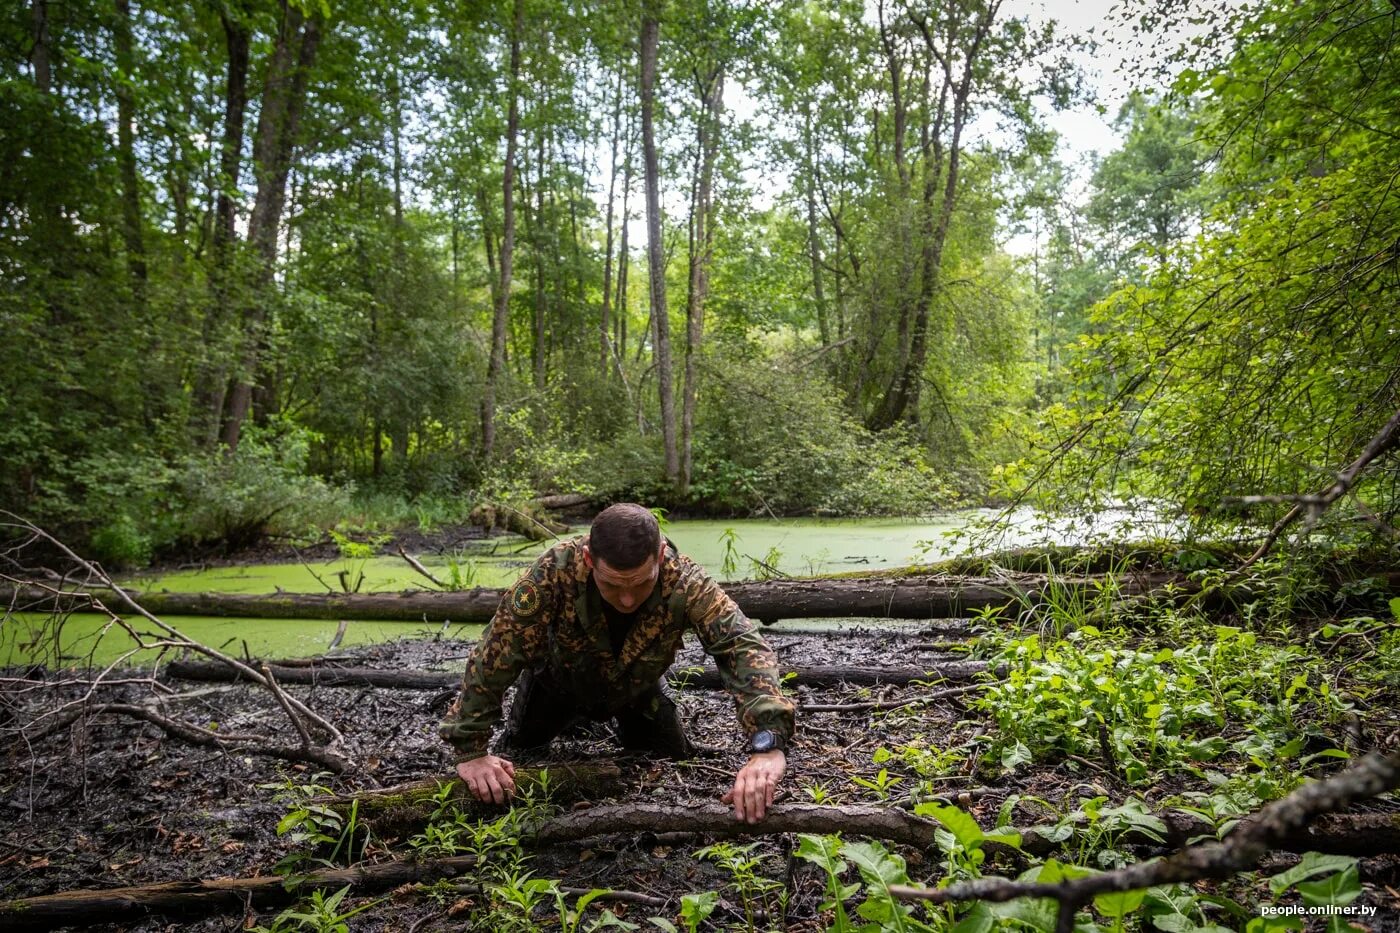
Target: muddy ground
113,802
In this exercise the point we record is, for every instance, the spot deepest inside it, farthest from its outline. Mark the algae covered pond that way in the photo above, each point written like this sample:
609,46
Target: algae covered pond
727,548
797,547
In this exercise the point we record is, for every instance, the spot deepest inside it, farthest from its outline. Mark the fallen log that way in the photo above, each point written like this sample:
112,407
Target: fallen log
405,807
202,897
1359,835
704,678
836,675
914,597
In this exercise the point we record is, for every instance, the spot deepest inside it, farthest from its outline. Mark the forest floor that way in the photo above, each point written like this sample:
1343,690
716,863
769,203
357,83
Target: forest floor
113,802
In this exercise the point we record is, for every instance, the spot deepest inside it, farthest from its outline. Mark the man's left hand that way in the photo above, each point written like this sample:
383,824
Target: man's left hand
755,784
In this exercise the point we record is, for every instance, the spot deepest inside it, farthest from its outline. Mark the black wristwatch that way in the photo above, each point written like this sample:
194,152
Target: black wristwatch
765,740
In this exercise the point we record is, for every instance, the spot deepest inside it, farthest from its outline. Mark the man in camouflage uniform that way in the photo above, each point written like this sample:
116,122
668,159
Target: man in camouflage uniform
590,630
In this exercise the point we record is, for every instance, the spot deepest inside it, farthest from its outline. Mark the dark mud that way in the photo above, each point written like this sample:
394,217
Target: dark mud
112,802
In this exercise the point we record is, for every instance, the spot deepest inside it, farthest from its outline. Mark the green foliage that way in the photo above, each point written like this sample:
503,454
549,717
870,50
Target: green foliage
776,440
753,889
1149,709
322,835
695,910
1223,371
322,914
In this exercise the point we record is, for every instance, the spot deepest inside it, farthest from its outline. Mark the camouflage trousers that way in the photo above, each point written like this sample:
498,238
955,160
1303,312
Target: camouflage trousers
542,709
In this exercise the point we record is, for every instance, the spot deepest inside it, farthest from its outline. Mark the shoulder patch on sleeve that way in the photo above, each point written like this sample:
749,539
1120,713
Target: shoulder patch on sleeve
525,599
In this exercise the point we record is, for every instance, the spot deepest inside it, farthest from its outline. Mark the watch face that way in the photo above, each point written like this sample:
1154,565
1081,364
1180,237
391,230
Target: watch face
763,741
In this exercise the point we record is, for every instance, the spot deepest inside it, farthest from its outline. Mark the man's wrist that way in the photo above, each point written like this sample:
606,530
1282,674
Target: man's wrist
766,740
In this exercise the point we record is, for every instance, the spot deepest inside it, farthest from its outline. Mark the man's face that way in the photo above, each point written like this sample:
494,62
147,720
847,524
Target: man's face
625,590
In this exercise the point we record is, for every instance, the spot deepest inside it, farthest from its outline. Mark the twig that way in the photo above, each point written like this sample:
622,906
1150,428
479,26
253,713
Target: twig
412,562
95,571
1314,506
893,704
339,634
281,695
301,560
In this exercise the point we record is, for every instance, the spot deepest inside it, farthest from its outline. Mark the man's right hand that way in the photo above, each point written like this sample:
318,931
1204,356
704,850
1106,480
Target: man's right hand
490,779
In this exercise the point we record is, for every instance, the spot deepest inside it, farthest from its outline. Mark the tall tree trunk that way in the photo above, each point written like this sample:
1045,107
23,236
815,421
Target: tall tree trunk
623,254
488,236
40,56
881,417
604,317
902,398
284,95
813,234
656,266
539,351
500,319
126,153
211,383
707,139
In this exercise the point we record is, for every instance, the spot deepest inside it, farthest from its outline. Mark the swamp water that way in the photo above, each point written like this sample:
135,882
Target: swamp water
735,549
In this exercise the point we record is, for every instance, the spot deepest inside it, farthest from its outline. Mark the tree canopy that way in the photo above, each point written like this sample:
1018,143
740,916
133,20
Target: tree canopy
268,262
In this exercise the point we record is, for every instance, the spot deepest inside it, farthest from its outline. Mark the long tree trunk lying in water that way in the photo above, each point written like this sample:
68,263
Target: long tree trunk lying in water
704,678
920,597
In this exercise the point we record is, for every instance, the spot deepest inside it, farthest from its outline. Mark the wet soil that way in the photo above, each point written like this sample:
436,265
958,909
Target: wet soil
113,802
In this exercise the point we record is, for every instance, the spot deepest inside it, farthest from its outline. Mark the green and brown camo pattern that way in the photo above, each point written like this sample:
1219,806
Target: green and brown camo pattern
552,619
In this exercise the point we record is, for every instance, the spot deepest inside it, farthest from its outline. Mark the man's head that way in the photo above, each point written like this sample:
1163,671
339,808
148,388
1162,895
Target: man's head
624,553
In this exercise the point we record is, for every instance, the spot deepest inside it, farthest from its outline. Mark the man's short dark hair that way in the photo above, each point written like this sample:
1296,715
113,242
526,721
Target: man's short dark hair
624,536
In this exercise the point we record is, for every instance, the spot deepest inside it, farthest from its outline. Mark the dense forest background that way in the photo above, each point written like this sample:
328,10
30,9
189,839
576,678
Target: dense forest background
271,266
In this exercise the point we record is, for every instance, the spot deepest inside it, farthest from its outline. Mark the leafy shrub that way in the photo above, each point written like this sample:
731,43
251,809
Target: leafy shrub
261,489
122,543
773,439
1150,708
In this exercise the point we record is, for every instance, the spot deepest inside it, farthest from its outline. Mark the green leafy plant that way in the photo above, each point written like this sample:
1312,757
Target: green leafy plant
314,828
695,910
321,914
881,784
1137,709
825,852
729,562
743,868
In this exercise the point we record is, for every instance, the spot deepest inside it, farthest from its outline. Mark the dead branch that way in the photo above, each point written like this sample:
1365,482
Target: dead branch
232,742
281,695
301,716
1266,829
202,896
1313,506
404,807
931,596
714,818
413,562
886,705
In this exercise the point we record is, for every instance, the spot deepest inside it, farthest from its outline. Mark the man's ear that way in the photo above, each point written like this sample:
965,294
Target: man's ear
587,557
661,551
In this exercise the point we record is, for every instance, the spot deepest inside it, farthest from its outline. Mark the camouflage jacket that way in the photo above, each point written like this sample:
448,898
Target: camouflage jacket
552,618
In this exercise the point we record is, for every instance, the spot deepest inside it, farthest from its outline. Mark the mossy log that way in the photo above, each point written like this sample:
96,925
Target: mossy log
703,678
912,597
204,897
393,811
1363,834
527,519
